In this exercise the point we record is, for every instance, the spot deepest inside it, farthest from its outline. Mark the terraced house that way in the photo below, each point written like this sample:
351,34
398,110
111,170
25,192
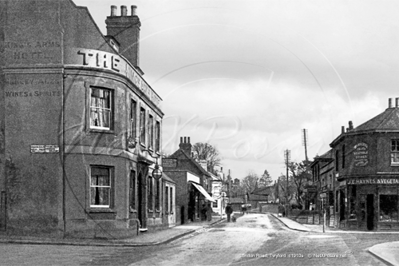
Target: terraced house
80,128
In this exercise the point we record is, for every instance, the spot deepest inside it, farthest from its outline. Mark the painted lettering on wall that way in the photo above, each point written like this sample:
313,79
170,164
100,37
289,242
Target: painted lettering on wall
361,154
29,50
35,81
113,62
372,181
19,94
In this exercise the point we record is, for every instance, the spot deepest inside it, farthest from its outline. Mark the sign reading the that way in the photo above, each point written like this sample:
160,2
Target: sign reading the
44,149
361,154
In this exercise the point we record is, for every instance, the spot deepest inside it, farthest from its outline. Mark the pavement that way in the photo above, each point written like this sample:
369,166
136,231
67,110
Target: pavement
149,238
387,252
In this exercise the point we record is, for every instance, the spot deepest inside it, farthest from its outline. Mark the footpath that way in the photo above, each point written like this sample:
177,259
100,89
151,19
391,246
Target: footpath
388,252
150,238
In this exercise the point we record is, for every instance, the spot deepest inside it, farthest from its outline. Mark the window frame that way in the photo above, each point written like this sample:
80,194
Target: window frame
157,136
111,187
394,153
142,134
150,132
110,109
133,118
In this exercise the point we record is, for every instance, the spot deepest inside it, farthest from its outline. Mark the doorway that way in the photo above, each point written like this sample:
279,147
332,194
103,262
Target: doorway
370,211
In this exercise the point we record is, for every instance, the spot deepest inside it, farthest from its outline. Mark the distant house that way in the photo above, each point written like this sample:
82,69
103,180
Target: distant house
236,203
193,182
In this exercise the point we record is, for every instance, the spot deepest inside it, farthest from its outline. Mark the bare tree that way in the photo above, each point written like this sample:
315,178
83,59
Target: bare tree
265,180
205,151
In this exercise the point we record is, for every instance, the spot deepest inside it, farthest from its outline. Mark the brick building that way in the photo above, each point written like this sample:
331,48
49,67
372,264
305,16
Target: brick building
366,162
193,182
79,126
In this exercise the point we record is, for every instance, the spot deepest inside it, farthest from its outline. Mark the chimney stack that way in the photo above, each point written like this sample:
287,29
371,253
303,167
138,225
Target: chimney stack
113,11
350,125
342,130
123,11
126,31
133,8
186,145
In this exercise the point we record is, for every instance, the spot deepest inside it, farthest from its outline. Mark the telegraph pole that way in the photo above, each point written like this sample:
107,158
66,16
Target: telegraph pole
287,154
305,143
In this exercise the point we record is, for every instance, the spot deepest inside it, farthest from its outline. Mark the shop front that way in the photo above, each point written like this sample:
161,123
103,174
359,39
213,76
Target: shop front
373,204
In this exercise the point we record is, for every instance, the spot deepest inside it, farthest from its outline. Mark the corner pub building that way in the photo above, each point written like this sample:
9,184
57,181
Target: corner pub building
367,171
80,129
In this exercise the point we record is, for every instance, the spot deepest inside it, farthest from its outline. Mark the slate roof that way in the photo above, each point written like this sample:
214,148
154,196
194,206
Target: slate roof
202,170
387,121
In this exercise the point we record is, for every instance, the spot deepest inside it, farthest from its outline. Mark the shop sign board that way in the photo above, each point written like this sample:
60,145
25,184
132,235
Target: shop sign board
372,181
361,154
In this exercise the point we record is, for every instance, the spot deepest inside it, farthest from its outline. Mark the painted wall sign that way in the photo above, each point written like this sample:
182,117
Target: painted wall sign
361,154
372,181
44,149
113,62
169,163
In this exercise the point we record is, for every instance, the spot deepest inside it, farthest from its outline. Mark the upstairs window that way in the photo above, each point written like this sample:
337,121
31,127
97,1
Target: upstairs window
142,126
100,109
343,156
395,152
157,136
132,190
336,160
133,118
150,131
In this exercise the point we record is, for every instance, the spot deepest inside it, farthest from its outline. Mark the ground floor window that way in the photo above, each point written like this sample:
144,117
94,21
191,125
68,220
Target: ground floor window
100,187
388,208
215,204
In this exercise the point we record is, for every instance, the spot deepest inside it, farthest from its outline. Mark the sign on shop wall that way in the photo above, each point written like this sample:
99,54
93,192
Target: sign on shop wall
169,162
361,154
372,181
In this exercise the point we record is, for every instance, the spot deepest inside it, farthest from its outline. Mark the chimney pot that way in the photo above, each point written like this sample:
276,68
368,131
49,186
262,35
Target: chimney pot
113,11
188,139
185,139
134,8
343,129
181,139
123,11
389,103
350,125
396,102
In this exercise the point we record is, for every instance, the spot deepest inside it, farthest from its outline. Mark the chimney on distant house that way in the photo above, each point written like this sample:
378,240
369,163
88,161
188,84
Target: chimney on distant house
126,31
185,145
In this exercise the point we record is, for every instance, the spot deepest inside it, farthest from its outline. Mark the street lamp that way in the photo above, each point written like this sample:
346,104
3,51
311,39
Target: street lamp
157,172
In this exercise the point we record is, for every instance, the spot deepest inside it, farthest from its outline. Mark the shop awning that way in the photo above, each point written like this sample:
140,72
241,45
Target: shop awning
203,192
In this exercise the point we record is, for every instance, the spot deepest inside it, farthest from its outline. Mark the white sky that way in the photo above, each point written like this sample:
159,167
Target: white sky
248,76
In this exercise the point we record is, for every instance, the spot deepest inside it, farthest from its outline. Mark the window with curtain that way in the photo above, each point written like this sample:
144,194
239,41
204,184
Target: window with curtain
100,108
100,187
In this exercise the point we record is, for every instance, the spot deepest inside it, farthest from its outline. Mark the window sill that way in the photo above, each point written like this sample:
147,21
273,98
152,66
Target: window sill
394,164
98,130
98,210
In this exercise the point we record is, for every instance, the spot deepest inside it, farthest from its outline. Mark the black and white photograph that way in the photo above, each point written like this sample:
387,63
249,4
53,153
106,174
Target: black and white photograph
199,132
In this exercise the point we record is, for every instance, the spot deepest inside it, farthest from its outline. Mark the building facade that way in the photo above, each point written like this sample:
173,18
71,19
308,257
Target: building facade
80,128
367,172
193,183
